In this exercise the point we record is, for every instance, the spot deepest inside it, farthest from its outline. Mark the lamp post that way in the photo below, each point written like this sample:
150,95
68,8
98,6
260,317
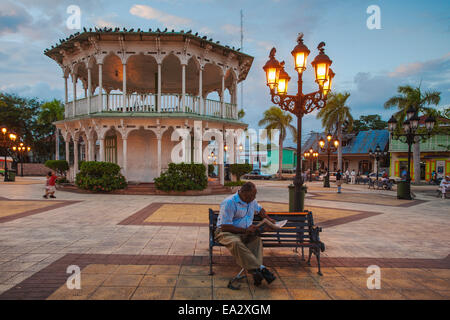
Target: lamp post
7,139
21,150
311,154
331,146
409,127
300,104
377,155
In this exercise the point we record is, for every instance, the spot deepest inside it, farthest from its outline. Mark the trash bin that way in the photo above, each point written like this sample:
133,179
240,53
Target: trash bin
292,196
11,175
403,190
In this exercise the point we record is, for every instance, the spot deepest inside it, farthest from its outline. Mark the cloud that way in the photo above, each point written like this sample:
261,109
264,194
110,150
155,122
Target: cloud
150,13
417,68
13,17
230,29
41,90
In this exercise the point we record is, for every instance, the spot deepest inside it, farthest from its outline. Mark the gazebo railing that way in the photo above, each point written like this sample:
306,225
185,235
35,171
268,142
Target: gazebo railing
148,103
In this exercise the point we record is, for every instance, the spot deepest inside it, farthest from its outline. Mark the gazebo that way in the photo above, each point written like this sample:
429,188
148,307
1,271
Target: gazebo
145,95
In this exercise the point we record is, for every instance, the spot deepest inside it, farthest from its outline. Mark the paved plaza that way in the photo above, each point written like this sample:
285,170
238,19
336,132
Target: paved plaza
156,247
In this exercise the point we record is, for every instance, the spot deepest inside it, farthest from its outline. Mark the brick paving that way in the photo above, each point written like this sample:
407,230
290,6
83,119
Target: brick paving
410,244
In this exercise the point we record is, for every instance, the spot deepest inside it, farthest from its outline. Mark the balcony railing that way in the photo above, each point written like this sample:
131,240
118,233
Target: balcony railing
436,143
148,103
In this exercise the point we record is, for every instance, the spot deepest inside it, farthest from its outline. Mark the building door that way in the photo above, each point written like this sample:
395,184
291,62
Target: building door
440,168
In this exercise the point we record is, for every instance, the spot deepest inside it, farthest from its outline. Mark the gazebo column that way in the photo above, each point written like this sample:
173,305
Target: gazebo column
124,149
100,85
89,90
91,150
183,87
57,144
221,164
159,88
201,108
222,91
102,149
75,156
86,150
124,89
66,96
67,150
159,137
74,83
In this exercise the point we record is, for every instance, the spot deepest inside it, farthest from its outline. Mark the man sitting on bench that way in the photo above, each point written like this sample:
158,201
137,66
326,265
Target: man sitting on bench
235,230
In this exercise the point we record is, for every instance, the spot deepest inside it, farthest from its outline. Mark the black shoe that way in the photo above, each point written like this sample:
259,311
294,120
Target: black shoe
45,197
257,277
52,196
267,275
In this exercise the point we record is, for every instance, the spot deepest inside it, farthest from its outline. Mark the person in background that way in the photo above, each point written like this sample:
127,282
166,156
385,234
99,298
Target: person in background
346,176
445,184
353,176
50,186
339,180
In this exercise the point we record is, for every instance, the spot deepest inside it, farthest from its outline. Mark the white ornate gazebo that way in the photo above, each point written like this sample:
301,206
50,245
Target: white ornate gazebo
142,87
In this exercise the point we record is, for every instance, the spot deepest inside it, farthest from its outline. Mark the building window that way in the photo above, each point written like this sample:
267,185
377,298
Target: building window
365,167
111,149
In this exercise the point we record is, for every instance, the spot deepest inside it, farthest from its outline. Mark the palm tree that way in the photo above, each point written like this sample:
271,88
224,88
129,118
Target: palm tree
275,118
335,116
413,97
50,112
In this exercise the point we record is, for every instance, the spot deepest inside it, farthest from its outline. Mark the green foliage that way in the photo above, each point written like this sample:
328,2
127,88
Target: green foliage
241,114
210,169
62,180
100,177
234,183
182,177
239,169
32,121
336,113
60,166
370,122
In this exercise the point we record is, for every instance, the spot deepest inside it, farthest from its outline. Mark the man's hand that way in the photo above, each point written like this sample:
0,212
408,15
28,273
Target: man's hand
251,230
263,215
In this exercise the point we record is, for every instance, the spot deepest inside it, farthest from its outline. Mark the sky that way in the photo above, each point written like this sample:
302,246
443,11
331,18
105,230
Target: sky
412,45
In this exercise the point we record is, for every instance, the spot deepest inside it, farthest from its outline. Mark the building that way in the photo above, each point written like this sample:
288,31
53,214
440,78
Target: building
289,160
355,151
144,94
434,155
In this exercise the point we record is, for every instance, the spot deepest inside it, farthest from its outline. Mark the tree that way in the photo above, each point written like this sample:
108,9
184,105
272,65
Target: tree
241,114
50,112
31,123
370,122
275,118
335,116
421,101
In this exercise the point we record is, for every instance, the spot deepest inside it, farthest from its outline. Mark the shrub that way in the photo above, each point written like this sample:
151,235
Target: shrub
182,177
100,177
234,183
62,180
60,166
239,169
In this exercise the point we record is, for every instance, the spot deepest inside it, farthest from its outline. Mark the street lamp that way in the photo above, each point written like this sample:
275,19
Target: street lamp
377,154
409,126
21,150
329,146
300,104
311,154
7,139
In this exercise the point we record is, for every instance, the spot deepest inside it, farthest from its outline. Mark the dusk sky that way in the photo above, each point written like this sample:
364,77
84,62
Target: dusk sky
412,46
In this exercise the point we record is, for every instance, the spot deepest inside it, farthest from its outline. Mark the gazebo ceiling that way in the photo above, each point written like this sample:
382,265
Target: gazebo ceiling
142,69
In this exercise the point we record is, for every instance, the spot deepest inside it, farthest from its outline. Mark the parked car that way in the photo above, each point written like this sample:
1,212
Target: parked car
256,174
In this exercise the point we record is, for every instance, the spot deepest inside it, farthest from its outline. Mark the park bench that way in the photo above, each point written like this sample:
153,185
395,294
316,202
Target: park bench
299,232
385,185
